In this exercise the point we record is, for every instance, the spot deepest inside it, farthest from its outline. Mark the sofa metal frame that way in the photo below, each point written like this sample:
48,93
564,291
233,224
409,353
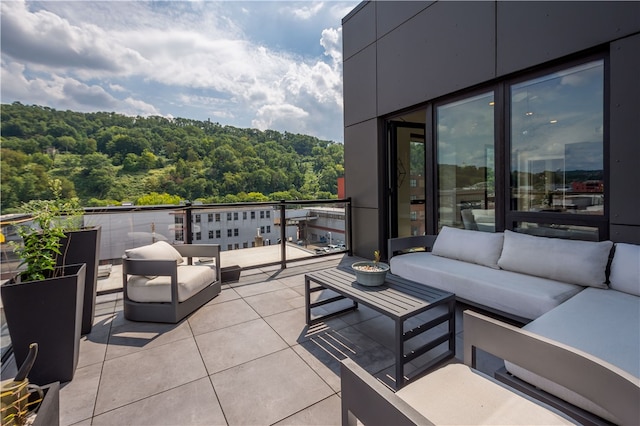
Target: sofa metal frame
366,399
174,311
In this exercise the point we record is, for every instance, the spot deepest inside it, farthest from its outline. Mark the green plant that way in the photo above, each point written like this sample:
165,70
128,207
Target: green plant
41,240
376,257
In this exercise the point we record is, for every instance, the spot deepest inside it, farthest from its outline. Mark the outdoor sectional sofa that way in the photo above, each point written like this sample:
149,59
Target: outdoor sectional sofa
580,293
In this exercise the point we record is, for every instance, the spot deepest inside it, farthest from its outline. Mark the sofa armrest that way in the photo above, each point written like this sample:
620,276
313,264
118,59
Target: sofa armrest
405,243
364,398
612,388
200,250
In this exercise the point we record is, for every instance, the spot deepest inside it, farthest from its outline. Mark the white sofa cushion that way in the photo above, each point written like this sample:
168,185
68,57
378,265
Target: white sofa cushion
160,250
457,395
482,248
191,279
625,269
516,294
603,323
569,261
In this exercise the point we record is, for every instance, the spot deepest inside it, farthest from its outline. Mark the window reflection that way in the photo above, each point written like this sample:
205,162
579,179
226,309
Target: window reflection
557,142
466,172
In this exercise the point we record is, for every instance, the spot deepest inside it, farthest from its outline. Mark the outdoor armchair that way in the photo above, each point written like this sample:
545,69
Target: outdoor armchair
159,286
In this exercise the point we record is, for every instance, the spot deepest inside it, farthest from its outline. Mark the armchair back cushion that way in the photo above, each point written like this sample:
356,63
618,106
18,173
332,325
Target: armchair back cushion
575,262
482,248
625,269
160,250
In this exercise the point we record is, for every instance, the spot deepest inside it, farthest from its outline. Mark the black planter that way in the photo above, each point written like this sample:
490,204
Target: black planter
48,312
83,246
49,409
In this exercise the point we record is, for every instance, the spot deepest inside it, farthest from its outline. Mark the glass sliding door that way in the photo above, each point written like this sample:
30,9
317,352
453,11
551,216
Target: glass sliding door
466,163
407,179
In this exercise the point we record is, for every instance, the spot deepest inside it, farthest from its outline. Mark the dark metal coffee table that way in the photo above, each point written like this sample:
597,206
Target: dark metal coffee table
398,299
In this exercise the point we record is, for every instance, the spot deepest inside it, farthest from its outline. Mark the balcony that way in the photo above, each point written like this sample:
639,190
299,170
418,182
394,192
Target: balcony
245,358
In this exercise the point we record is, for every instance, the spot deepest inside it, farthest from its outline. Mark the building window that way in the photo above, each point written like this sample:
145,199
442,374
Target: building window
465,155
413,183
261,214
244,215
210,235
235,215
229,216
268,214
414,216
245,245
253,215
229,247
235,232
229,232
197,218
261,230
557,142
178,233
236,246
198,235
268,229
210,217
217,217
217,233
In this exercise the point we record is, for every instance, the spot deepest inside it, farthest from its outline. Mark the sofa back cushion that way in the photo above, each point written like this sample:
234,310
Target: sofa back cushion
482,248
625,269
160,250
576,262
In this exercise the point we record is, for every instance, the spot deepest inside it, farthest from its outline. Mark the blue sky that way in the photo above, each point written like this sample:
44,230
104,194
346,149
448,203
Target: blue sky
260,64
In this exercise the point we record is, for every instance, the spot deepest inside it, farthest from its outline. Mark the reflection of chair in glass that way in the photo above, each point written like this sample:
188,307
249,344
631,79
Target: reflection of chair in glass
479,219
459,394
159,287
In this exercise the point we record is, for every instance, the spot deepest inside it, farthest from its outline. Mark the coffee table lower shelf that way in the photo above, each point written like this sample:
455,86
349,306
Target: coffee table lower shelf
398,299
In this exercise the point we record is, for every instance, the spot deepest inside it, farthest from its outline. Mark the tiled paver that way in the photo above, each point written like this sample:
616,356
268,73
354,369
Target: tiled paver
268,389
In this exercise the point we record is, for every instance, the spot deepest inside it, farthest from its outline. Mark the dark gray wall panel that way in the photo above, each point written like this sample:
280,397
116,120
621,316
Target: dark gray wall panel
625,234
391,14
625,131
361,154
365,232
359,30
359,75
531,33
447,47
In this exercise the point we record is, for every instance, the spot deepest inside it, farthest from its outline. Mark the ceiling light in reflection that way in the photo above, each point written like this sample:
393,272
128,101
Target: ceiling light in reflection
528,113
553,121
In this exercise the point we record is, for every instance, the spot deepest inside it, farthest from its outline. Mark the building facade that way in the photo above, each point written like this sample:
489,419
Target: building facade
492,115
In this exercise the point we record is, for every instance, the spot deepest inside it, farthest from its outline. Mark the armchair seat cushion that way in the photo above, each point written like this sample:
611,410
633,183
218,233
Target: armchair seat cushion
191,279
457,394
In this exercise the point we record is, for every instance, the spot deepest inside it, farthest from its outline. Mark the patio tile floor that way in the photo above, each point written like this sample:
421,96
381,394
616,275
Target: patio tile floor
245,358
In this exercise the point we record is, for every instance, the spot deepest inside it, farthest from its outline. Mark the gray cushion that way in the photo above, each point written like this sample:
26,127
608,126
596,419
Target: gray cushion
482,248
191,279
160,250
625,269
457,395
576,262
516,294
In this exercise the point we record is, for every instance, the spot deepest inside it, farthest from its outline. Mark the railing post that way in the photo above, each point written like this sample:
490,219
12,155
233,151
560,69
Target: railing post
283,236
348,224
188,225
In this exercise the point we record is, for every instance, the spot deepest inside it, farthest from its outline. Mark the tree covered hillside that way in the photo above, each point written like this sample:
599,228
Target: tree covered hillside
107,158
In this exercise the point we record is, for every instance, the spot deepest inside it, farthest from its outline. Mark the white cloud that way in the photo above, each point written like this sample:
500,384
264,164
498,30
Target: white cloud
305,12
184,59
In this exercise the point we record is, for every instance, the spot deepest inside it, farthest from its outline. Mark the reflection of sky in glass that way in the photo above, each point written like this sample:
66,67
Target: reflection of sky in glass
464,128
560,116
